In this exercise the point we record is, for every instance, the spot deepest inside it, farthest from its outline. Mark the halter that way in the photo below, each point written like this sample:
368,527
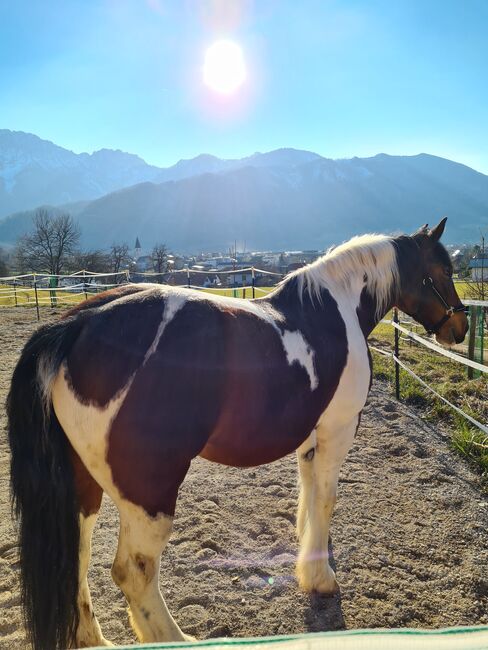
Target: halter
450,310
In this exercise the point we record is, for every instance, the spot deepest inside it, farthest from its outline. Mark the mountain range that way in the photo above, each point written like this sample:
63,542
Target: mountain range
283,199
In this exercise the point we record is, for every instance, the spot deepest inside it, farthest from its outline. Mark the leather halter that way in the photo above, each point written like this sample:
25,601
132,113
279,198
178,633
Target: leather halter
450,310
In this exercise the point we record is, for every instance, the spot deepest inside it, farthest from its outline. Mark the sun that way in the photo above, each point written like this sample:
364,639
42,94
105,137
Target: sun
224,69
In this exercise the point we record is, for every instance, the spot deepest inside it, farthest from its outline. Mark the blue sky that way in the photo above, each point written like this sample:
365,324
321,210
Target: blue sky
341,78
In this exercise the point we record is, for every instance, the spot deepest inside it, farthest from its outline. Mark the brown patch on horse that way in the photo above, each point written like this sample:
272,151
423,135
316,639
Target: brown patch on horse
103,298
112,345
146,566
88,491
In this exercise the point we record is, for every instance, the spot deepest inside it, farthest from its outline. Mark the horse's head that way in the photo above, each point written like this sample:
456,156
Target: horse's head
427,292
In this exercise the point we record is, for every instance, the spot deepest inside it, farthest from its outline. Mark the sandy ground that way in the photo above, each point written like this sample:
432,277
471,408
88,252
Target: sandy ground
409,536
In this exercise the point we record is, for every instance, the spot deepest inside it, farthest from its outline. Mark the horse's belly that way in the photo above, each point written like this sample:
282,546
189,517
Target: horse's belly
253,435
243,451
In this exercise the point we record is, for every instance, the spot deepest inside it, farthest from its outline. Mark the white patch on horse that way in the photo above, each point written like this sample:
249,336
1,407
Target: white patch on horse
352,391
297,349
173,303
335,432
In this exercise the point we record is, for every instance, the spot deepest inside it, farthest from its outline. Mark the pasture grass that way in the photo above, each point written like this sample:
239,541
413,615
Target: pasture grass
450,380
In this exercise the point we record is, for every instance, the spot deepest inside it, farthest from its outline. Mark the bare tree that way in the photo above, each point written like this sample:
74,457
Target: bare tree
119,257
96,261
3,263
50,244
160,258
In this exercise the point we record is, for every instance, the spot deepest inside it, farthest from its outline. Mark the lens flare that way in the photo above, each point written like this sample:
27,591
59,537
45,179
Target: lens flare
224,69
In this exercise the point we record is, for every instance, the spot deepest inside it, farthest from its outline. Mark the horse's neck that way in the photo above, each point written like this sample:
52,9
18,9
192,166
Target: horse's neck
367,312
365,305
314,309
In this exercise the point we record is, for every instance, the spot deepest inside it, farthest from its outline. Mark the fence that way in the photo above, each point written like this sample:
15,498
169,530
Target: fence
475,307
38,289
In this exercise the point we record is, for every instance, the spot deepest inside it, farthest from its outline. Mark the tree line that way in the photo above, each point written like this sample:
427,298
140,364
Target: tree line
53,246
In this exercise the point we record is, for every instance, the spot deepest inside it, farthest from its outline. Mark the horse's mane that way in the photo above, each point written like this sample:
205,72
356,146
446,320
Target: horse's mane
367,259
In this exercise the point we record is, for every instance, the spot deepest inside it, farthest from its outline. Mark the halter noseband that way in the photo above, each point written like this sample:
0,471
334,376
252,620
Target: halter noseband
450,310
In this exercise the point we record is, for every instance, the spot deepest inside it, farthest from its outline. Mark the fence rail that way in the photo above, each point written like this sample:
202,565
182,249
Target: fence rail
65,289
394,354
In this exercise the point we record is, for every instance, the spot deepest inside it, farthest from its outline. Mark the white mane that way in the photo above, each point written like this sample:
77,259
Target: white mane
367,260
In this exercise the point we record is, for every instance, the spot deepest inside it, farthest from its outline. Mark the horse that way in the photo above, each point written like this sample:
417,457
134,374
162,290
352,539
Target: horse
125,390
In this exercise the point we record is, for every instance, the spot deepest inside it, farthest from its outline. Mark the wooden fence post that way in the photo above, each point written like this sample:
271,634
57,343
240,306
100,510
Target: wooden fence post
15,293
188,277
396,351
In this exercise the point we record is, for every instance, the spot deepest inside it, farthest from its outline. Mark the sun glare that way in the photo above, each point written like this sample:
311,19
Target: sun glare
224,69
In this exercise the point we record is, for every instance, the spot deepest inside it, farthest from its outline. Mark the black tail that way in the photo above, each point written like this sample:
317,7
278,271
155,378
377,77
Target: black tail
43,493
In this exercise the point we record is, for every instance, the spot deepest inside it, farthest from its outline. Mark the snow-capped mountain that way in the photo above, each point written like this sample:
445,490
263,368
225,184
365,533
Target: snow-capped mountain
276,200
35,171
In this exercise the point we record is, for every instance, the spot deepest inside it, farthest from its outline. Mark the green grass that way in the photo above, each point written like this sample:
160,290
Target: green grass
241,293
449,379
462,289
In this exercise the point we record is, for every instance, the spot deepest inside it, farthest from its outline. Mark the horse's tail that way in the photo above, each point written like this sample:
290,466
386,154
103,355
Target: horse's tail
43,492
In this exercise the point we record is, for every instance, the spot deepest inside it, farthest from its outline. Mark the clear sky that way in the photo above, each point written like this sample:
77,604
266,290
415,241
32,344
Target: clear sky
341,77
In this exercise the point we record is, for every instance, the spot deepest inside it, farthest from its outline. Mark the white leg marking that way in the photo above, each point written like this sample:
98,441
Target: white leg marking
317,499
136,571
305,468
88,633
297,349
174,302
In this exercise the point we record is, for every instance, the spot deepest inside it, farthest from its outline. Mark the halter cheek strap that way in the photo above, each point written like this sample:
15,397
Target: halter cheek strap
450,310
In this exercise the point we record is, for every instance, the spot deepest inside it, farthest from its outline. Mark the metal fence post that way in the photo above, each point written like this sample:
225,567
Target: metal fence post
472,338
37,299
188,277
253,282
396,351
15,293
84,285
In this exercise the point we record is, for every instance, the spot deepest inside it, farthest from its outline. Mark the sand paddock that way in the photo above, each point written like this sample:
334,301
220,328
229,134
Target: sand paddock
409,537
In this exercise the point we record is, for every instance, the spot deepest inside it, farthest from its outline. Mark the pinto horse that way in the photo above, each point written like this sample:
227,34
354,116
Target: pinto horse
124,391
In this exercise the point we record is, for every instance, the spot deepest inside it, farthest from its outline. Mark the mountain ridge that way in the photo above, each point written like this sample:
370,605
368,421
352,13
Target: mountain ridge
285,198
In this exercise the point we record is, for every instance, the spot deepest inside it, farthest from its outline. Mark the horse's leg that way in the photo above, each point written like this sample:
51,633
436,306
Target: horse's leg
136,571
89,495
305,455
322,473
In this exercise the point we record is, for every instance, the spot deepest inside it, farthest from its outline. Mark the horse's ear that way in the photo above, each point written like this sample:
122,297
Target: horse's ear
423,230
436,233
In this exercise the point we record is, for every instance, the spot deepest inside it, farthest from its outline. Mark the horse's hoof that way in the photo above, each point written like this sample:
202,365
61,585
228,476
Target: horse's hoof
322,582
189,639
327,587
